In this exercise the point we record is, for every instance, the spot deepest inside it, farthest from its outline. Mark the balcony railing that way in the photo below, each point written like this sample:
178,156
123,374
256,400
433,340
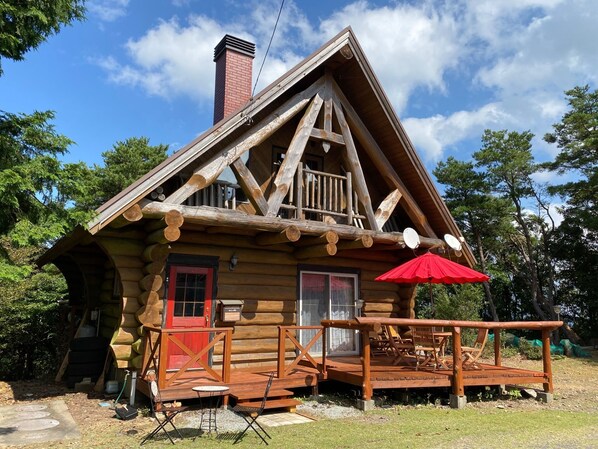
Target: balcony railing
315,194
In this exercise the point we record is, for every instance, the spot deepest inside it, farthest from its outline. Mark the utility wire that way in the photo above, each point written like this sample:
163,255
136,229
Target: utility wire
268,49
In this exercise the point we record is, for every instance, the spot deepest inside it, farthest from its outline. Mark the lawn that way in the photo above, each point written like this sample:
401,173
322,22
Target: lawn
570,421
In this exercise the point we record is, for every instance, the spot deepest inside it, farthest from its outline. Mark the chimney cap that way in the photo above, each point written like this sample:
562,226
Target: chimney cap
235,44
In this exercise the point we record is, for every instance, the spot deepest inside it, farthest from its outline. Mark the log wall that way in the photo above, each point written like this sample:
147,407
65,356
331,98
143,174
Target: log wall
265,278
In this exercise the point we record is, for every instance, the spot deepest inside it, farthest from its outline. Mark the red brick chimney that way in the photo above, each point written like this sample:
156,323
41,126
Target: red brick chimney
234,61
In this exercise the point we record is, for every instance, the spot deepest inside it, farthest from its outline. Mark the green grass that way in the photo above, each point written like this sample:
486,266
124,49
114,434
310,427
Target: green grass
427,427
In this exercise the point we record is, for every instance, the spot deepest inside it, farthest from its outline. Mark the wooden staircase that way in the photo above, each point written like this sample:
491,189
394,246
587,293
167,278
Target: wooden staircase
278,399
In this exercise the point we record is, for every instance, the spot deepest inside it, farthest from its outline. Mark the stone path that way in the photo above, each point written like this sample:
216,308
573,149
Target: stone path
22,423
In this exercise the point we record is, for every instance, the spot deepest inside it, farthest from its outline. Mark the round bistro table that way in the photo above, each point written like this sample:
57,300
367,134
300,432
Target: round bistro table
210,407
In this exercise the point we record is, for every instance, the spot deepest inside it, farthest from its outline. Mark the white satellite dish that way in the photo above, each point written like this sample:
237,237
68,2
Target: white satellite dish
411,238
453,242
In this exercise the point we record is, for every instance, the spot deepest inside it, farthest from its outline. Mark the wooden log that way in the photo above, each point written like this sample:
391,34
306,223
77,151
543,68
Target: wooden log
362,242
149,296
263,268
352,159
326,237
290,234
458,385
381,307
387,206
129,320
121,247
367,285
138,345
263,292
255,346
244,255
127,261
288,168
250,186
251,319
131,215
111,310
131,289
211,216
227,241
151,282
168,234
253,332
130,274
124,336
233,230
253,306
254,280
154,268
123,352
130,304
172,218
136,362
315,251
155,253
149,316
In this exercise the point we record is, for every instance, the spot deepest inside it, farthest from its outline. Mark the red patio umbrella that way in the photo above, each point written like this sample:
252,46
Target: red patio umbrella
433,269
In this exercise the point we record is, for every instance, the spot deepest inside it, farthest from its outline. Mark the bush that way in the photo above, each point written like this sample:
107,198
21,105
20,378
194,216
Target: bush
530,351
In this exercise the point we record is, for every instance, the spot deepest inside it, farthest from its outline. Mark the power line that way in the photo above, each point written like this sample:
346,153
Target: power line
268,49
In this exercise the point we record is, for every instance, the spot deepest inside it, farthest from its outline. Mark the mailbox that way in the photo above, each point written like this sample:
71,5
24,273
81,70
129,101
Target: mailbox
230,309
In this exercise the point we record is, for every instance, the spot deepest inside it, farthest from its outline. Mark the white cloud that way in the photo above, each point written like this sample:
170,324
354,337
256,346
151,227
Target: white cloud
432,135
108,10
408,46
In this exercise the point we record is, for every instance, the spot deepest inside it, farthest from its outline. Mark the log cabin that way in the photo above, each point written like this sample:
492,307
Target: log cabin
280,215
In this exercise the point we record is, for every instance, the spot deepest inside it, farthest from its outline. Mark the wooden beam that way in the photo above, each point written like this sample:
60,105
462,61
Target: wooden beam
290,234
327,237
327,137
355,167
250,186
231,219
382,163
329,249
365,241
168,234
288,168
387,206
131,215
207,174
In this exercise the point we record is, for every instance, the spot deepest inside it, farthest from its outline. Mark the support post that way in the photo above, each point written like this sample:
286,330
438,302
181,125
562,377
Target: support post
324,343
365,358
457,398
281,351
546,360
497,354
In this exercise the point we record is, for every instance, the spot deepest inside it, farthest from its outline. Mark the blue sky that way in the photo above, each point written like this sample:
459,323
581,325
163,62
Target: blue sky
451,69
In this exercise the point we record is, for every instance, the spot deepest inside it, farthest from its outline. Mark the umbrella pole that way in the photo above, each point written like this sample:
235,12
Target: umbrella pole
432,301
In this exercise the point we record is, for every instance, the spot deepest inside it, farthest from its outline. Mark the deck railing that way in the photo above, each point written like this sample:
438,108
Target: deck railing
220,193
156,346
287,332
367,324
314,194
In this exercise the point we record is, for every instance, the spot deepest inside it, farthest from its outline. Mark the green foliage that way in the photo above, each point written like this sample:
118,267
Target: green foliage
123,164
29,324
451,302
24,25
530,351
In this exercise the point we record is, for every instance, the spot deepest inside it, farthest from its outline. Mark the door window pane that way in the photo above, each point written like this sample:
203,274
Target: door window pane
189,294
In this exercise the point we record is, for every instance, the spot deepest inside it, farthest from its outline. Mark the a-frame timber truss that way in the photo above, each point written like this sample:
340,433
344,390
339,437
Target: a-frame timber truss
321,103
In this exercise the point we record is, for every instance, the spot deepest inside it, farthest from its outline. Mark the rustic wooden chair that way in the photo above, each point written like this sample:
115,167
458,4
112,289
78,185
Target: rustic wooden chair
402,348
426,347
251,414
472,353
379,344
163,414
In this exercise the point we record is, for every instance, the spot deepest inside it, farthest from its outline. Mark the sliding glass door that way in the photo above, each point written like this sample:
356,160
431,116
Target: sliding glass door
328,296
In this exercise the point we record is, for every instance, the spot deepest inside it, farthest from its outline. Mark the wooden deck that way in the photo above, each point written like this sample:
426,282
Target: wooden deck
241,380
384,375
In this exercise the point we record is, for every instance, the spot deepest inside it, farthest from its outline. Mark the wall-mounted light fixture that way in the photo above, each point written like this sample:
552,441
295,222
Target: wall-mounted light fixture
233,262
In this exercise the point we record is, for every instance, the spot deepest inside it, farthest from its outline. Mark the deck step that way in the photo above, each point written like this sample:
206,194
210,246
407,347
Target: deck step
242,396
288,404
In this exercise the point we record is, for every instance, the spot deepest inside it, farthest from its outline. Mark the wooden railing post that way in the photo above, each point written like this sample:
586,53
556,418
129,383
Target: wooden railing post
163,360
281,351
324,343
546,360
497,354
226,360
458,388
365,357
299,187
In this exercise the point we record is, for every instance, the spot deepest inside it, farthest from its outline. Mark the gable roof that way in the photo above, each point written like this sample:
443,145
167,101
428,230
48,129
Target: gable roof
368,110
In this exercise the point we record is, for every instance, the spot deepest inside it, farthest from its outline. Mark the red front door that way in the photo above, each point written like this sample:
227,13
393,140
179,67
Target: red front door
189,305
